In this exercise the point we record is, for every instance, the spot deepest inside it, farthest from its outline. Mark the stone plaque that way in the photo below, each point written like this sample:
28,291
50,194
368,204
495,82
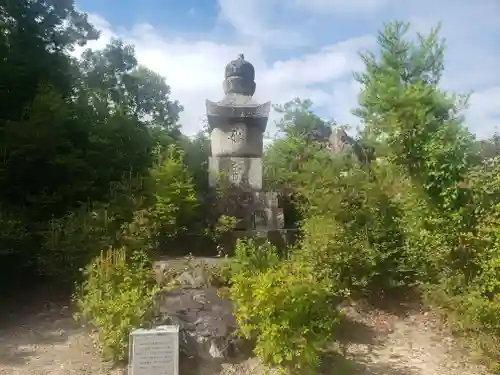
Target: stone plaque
154,351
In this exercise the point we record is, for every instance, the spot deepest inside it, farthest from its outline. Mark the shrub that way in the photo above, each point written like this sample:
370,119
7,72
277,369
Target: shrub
355,223
284,306
17,246
252,256
479,306
288,311
70,242
469,287
116,297
342,258
175,195
73,240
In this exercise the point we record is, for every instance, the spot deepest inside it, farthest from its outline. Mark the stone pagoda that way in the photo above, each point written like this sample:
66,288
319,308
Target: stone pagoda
237,124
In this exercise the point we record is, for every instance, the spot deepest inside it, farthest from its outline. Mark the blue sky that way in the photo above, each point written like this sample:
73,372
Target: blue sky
305,48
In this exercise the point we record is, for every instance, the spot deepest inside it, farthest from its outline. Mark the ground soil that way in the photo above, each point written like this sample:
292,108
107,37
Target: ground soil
39,337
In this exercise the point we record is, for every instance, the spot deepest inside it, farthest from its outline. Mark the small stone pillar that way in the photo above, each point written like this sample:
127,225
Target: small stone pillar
237,124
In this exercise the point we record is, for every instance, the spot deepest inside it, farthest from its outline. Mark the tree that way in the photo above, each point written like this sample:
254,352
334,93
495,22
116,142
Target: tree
70,130
299,120
196,154
303,135
113,82
34,38
403,108
131,108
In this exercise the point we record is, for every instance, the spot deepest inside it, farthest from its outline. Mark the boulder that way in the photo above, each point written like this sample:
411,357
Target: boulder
206,322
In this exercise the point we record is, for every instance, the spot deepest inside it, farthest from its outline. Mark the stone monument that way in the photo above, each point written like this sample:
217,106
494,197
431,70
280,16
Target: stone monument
237,124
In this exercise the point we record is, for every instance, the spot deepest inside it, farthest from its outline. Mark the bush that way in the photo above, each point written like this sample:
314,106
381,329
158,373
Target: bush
284,306
116,297
144,212
355,224
17,247
252,256
175,196
478,307
287,311
342,258
70,242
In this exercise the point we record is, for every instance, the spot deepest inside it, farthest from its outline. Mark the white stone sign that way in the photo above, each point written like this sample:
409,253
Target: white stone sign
154,351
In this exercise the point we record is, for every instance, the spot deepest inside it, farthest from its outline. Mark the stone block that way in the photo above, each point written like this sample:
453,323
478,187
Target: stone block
236,140
246,173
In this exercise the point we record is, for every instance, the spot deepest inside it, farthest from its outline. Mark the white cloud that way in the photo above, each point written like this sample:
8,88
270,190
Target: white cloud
194,69
485,110
260,21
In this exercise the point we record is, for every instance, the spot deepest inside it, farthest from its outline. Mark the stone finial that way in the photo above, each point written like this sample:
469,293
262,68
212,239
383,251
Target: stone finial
239,77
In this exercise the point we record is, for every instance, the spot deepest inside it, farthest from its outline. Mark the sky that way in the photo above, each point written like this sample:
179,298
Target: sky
300,48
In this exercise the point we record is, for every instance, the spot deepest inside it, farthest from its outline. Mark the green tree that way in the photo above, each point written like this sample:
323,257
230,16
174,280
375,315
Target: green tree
196,154
35,36
402,104
299,120
302,135
70,131
114,83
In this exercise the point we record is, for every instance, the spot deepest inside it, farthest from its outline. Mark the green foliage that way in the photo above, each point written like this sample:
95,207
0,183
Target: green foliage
303,132
72,241
175,195
284,306
284,160
196,154
223,232
423,213
471,294
71,129
400,100
447,200
115,84
34,38
251,257
116,297
16,244
143,214
12,231
299,120
354,223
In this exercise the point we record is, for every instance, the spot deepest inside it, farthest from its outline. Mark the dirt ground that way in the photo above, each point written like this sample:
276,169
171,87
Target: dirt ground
39,337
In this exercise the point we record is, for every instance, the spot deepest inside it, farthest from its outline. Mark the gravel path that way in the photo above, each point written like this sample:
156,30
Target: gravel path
43,339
